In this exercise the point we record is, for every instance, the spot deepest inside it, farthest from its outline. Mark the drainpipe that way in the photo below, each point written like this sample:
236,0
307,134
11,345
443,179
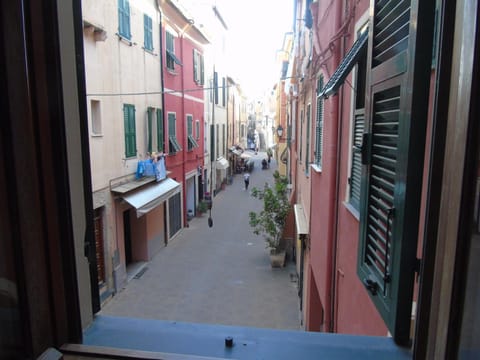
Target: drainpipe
335,207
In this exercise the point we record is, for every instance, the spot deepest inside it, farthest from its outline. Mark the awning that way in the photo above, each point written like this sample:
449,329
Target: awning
300,220
150,197
348,62
222,163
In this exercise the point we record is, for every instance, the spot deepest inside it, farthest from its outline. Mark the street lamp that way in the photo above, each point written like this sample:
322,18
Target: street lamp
280,131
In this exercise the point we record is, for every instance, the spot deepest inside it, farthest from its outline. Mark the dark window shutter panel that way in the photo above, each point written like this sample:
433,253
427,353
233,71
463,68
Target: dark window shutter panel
356,169
395,122
160,131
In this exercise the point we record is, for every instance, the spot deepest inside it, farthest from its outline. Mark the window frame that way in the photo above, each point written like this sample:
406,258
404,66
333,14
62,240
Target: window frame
124,26
320,102
130,132
147,33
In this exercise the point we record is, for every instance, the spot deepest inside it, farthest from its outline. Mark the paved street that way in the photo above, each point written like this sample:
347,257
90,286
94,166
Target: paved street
218,275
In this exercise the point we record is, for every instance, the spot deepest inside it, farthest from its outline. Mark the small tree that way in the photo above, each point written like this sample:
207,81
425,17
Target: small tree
271,220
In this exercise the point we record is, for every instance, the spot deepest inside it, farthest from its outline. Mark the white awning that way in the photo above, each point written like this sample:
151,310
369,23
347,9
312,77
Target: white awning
222,163
300,220
150,197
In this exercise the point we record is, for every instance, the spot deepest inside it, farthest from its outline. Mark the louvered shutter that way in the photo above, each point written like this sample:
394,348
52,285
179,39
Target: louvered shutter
356,169
160,137
392,152
307,150
124,19
171,131
129,129
149,130
319,124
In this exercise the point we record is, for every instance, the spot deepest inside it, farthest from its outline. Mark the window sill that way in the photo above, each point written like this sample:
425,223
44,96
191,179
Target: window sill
316,168
207,340
355,213
150,51
124,39
96,135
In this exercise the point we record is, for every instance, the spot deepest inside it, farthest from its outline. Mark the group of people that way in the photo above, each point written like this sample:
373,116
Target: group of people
265,165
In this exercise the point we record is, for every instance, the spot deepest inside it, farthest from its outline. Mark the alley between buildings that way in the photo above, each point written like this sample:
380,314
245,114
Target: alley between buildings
218,275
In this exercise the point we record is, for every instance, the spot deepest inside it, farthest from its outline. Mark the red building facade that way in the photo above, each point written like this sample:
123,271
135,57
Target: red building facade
183,80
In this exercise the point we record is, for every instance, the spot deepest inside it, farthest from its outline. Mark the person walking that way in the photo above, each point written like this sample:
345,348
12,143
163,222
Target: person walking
246,179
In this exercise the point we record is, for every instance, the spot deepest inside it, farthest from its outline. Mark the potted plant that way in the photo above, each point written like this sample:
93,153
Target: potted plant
271,220
202,207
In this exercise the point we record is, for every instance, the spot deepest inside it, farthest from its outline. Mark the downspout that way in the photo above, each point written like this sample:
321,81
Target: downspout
161,72
338,147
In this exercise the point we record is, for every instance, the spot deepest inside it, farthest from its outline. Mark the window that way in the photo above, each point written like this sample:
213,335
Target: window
319,125
149,129
215,87
392,154
173,145
198,70
130,131
96,117
217,141
300,143
307,149
124,19
170,51
160,132
224,92
224,135
358,125
197,130
147,33
190,140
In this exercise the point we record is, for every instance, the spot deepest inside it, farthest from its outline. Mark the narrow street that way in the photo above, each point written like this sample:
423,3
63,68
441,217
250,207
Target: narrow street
218,275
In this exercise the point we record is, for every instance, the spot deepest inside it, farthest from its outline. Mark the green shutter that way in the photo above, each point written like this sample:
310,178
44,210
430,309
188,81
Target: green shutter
202,72
149,129
356,168
215,87
160,136
307,150
130,131
171,130
392,153
147,32
124,19
319,124
195,66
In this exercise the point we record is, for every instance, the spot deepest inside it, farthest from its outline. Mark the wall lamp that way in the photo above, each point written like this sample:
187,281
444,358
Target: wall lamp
280,131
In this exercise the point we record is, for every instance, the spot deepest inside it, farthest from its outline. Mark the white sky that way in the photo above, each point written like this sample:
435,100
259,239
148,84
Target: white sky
256,30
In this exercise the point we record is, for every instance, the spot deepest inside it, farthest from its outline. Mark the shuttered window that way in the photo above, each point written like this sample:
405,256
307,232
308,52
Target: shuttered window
129,130
160,132
392,157
215,87
198,71
319,124
173,145
170,50
124,19
307,150
356,168
149,129
147,32
190,139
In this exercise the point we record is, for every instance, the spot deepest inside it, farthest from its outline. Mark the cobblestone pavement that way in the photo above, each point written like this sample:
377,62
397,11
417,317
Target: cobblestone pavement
218,275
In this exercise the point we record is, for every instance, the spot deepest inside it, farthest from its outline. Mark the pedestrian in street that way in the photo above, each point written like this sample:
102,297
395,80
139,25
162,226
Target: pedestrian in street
246,179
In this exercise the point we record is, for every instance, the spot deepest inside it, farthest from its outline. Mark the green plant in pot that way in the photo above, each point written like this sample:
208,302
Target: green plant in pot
271,220
202,207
